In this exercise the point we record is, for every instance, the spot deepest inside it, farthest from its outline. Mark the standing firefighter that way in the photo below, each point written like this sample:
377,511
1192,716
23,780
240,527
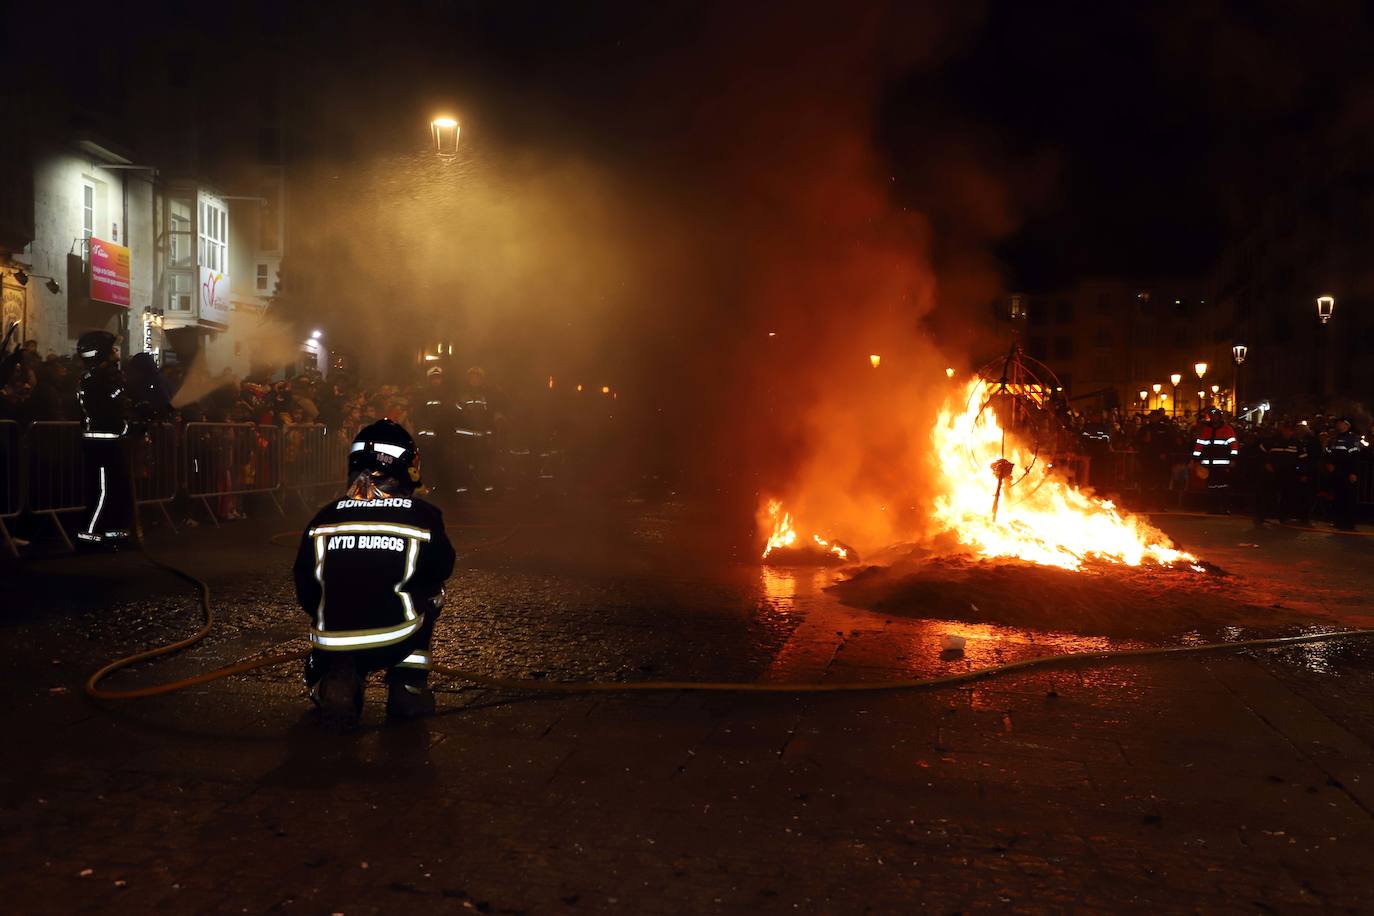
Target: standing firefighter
1215,450
105,410
370,574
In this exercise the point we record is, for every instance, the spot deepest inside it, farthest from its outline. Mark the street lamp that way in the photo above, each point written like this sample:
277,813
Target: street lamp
875,359
1238,353
1174,380
949,373
1200,369
445,132
1143,396
1325,304
1156,387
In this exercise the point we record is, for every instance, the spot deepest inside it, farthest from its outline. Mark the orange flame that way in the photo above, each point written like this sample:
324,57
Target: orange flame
785,535
1041,517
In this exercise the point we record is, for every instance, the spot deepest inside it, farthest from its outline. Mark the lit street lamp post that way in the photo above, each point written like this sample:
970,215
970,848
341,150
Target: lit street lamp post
1325,306
1157,388
445,131
1238,353
1201,370
1174,380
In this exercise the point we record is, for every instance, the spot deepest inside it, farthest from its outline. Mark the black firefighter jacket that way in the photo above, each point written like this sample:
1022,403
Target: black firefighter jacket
367,571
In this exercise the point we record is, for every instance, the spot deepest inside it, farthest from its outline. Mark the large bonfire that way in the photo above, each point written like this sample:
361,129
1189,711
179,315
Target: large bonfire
1039,516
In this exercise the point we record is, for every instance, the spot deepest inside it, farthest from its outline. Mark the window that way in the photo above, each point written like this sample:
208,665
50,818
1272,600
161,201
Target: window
179,233
1016,308
213,245
1063,348
1039,314
87,217
179,292
261,281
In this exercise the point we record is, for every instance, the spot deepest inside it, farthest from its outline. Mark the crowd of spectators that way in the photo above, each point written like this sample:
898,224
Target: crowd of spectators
1287,467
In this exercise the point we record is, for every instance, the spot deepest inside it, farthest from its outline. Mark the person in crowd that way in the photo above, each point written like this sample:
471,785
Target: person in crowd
1343,453
1156,442
151,401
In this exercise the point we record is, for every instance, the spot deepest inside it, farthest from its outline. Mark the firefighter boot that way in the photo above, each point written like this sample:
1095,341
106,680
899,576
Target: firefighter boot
339,694
408,700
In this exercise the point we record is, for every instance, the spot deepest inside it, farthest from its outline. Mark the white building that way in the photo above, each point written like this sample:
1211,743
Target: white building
88,200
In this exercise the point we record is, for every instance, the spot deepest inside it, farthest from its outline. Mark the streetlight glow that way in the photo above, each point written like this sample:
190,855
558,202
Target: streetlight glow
1175,379
949,373
1238,352
1200,369
1325,305
1157,387
316,334
445,131
875,359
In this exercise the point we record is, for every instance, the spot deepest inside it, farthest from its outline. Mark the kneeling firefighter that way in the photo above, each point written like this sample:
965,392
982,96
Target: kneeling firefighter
370,573
109,518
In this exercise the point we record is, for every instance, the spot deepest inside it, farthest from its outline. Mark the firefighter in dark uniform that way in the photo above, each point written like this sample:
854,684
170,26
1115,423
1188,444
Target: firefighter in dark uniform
109,518
435,419
478,421
1216,451
1342,463
1096,440
370,573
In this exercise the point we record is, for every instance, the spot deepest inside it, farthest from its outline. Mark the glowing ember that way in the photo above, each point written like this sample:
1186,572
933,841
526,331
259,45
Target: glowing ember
1040,517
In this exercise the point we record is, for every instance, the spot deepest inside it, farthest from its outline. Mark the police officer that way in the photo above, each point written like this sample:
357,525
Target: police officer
105,410
370,573
1342,462
1215,449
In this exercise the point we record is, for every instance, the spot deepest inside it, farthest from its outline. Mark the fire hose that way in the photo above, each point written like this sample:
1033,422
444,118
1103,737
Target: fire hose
1066,659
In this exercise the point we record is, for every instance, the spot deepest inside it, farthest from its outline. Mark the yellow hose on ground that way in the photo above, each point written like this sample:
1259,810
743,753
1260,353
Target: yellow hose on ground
94,690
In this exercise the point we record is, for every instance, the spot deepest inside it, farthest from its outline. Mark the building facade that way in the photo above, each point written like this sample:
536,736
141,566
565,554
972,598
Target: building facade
1107,340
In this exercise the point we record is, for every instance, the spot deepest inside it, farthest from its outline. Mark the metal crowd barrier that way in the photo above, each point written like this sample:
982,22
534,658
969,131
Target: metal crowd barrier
225,461
153,458
55,471
312,457
11,481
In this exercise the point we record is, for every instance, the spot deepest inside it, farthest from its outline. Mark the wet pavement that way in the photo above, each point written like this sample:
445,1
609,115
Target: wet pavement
1235,783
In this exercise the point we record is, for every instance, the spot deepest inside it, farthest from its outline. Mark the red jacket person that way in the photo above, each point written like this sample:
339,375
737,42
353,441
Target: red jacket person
370,574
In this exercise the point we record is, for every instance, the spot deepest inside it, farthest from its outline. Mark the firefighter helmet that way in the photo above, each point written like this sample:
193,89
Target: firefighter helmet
385,450
95,347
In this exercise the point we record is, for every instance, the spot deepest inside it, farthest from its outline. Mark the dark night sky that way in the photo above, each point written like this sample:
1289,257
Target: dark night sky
1129,133
1134,132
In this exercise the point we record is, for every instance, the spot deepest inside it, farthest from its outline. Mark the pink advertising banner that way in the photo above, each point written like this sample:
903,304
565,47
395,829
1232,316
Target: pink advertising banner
109,272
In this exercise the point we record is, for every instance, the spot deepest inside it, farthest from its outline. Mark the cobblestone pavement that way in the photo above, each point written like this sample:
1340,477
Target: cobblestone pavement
1235,783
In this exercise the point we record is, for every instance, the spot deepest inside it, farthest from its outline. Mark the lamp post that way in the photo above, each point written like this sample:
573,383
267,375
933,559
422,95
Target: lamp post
1174,380
1156,388
1238,354
445,131
1143,396
1325,306
1201,370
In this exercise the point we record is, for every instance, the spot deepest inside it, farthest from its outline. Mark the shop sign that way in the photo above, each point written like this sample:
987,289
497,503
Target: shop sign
109,272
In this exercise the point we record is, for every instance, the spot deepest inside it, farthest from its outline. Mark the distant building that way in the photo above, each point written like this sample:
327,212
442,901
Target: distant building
1108,339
